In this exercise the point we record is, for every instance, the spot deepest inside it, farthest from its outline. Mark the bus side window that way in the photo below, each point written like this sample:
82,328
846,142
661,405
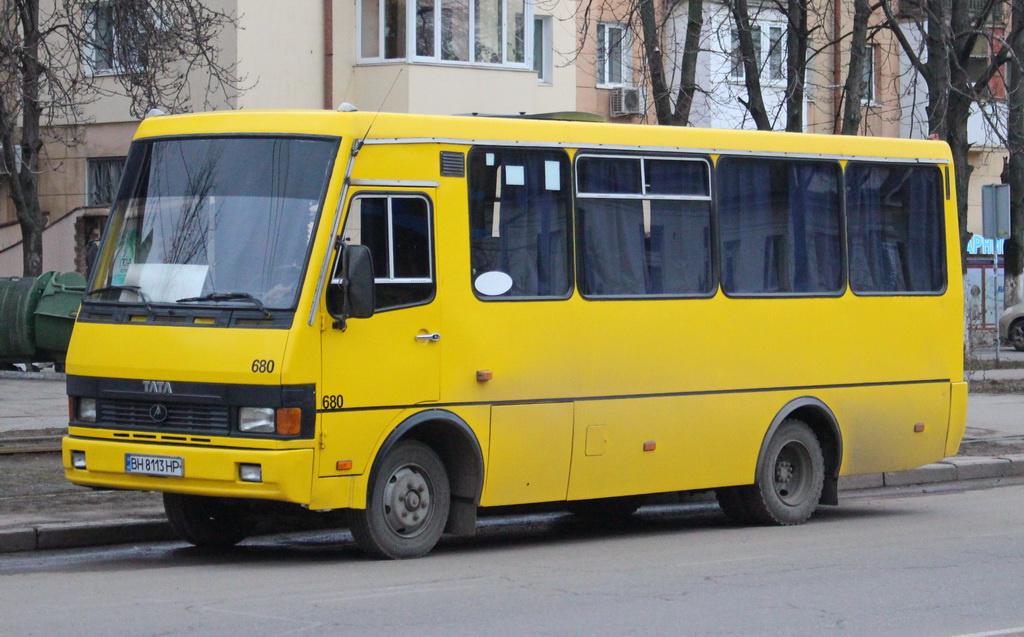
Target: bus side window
895,224
397,229
780,226
520,204
644,226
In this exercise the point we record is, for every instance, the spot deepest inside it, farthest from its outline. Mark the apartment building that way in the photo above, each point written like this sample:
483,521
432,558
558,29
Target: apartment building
423,56
486,56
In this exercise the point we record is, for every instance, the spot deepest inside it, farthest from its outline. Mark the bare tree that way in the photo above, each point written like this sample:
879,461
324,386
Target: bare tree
949,32
751,66
798,36
667,110
854,87
1013,255
161,53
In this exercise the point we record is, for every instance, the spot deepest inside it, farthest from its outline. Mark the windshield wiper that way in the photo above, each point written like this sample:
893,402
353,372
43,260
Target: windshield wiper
227,296
122,288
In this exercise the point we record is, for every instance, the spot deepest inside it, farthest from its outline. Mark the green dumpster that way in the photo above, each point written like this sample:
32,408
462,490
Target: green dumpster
18,299
37,316
55,314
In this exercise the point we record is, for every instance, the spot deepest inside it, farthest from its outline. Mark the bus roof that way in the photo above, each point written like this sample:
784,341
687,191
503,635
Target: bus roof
398,127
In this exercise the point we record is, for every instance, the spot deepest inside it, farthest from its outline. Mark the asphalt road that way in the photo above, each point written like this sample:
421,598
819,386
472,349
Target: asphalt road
947,563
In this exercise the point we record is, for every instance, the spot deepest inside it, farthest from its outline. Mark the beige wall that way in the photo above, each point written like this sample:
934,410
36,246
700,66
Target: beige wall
280,53
466,90
589,98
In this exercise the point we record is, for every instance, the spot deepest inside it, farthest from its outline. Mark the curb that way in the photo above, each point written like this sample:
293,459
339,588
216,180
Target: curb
74,535
78,535
5,373
948,470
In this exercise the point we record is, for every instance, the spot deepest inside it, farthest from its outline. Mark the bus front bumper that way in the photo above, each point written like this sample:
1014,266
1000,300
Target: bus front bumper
285,475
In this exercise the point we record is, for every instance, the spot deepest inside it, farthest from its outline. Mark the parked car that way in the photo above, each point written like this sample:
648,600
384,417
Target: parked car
1011,326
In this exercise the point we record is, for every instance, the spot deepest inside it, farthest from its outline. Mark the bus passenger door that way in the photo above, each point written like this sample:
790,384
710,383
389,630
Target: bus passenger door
390,361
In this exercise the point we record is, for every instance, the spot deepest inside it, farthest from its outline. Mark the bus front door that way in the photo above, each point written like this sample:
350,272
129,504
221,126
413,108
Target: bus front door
380,366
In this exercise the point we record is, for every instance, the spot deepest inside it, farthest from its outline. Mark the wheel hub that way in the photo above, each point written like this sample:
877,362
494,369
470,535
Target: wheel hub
407,503
792,473
783,471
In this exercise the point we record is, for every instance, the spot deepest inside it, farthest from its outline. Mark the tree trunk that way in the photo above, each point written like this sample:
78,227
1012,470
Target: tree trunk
688,68
854,89
24,183
656,62
796,64
751,67
1013,256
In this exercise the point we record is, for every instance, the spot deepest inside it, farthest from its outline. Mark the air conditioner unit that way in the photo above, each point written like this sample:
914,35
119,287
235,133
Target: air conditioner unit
627,100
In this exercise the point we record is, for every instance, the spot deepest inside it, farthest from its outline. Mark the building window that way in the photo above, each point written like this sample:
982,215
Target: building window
102,43
868,88
542,47
468,31
767,37
736,71
104,176
612,54
105,52
776,59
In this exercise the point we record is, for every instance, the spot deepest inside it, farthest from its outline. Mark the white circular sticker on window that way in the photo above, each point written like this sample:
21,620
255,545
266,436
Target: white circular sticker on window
493,283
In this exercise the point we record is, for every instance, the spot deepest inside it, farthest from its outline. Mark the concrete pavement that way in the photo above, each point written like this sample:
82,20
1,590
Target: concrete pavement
41,510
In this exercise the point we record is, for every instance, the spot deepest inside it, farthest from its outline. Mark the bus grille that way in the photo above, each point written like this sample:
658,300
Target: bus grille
138,415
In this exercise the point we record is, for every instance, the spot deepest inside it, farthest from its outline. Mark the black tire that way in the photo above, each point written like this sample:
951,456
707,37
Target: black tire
204,521
791,477
1015,335
407,506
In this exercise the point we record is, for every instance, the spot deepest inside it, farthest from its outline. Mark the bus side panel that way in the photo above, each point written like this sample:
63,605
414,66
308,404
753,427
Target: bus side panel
352,437
699,442
529,454
358,436
878,426
714,440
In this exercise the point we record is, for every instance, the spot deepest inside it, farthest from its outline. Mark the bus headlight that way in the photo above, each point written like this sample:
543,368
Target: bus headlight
259,420
87,409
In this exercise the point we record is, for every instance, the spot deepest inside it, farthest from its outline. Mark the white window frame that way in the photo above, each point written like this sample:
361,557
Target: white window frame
411,55
602,67
89,51
762,28
868,96
544,66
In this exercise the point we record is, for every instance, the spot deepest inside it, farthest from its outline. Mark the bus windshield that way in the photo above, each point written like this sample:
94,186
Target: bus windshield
215,220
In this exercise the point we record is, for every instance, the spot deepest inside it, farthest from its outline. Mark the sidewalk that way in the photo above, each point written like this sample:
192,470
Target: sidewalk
39,509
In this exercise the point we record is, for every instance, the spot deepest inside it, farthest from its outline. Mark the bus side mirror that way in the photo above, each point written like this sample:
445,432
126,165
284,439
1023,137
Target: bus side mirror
350,293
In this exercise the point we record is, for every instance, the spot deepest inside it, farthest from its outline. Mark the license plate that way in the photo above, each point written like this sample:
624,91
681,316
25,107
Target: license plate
173,466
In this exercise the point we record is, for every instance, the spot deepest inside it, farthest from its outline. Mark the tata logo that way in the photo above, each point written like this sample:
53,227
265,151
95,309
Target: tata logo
157,387
158,413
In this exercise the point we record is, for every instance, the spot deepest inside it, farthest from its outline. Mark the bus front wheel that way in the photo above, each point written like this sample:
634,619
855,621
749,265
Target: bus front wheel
206,521
407,507
788,484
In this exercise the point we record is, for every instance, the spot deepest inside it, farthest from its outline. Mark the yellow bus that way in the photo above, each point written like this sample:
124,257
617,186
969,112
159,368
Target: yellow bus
413,318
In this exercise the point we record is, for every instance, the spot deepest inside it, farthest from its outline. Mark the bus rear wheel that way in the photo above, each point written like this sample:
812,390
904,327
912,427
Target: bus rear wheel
789,481
205,521
407,507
